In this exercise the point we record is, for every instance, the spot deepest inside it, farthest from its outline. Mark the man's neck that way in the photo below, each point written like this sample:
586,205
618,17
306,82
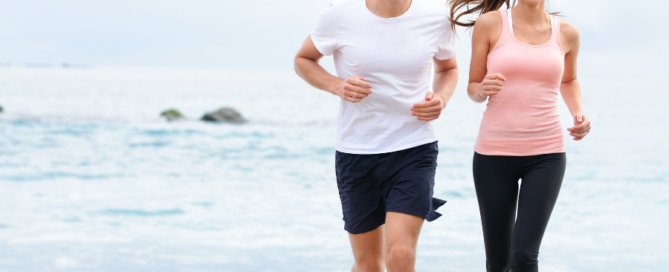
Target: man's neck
388,8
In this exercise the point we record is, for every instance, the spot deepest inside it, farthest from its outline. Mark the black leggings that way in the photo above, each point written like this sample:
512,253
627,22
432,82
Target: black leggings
510,241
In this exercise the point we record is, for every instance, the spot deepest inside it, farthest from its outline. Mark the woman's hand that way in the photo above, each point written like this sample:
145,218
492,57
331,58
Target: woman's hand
581,127
491,85
353,89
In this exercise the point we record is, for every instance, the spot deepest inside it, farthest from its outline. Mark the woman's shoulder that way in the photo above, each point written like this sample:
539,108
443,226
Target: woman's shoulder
489,20
569,35
568,30
488,26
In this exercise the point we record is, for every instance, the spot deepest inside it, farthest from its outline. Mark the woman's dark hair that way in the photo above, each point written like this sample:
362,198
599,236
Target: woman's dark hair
476,7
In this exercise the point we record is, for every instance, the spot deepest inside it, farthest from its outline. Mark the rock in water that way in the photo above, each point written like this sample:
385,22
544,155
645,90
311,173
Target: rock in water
172,115
226,115
1,109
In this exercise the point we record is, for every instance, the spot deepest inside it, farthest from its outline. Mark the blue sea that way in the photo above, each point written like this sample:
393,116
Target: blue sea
93,179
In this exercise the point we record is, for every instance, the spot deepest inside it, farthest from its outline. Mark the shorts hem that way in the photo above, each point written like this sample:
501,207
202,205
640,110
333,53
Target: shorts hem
409,212
366,230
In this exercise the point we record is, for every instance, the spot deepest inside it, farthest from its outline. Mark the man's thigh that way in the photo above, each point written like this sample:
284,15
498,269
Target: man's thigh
402,230
368,246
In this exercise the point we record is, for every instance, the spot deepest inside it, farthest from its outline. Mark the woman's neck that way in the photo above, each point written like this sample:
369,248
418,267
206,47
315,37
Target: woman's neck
531,13
388,8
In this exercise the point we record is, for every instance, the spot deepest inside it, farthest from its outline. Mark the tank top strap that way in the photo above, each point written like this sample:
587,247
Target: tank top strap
556,25
506,27
556,32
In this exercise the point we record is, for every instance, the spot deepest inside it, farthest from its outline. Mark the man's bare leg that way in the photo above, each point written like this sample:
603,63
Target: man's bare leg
401,238
368,251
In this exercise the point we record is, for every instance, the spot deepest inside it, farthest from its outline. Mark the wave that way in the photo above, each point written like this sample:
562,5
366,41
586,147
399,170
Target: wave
138,212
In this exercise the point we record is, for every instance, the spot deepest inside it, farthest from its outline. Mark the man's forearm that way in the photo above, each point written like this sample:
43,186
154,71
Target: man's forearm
316,75
445,82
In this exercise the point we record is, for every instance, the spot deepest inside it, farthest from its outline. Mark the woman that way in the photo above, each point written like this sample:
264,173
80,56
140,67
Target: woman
386,148
521,59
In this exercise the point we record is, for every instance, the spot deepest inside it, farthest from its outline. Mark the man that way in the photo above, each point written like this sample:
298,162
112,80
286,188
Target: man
386,148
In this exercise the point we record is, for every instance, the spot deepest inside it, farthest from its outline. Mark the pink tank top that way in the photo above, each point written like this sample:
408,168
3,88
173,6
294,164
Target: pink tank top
523,119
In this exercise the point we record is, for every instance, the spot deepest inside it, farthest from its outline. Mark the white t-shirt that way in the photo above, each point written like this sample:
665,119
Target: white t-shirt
395,55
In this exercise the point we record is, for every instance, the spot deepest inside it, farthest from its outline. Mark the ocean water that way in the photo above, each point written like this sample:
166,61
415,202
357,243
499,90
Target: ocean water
92,179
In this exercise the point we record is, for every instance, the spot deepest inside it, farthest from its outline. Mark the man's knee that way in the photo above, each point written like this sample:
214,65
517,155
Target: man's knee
369,264
401,253
521,259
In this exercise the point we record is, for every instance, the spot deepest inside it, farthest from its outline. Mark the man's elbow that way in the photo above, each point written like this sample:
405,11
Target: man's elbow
297,64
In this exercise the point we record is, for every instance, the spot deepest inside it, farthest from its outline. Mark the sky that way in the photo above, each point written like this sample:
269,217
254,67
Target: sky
265,34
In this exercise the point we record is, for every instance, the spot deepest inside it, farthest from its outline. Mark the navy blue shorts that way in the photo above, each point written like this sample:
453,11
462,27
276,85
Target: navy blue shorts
372,185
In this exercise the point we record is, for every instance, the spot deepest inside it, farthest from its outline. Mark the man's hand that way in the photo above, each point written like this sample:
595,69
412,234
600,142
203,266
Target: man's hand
353,89
430,109
581,127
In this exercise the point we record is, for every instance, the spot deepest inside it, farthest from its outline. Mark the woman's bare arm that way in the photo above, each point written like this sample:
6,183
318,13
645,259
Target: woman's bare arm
570,88
487,31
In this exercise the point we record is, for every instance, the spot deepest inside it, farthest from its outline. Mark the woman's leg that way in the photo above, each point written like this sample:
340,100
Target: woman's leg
496,180
538,193
368,251
402,232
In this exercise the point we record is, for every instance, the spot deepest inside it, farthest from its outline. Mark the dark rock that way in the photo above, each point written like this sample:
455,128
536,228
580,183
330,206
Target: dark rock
226,115
1,109
172,115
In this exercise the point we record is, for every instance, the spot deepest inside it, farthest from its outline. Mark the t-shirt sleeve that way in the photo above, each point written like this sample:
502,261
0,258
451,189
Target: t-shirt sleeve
324,34
446,42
